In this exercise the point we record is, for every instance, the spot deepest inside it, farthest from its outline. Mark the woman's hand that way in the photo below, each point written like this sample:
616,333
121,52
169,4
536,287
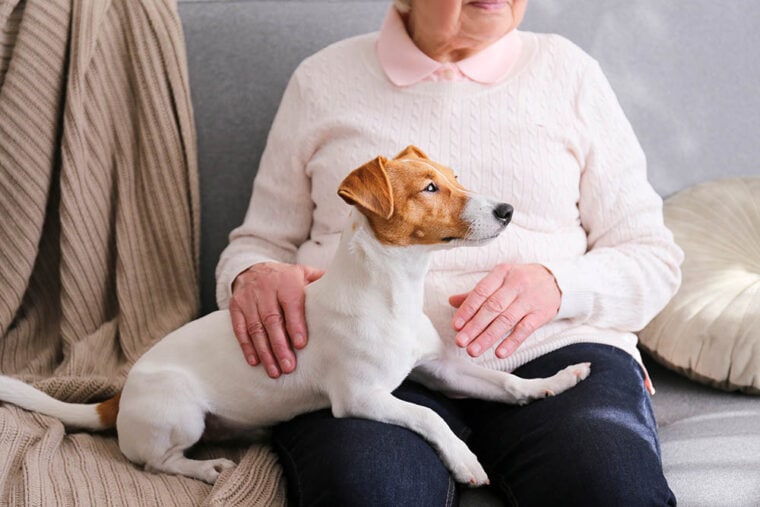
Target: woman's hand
511,302
268,316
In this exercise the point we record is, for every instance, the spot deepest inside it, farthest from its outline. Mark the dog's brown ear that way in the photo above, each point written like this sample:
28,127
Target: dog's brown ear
412,151
369,188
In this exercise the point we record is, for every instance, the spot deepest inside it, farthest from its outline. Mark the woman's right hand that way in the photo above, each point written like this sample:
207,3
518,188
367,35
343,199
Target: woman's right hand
268,315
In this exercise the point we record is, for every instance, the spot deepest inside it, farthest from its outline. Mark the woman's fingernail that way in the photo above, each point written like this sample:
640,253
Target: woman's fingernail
474,349
298,340
458,323
251,360
286,364
462,339
273,372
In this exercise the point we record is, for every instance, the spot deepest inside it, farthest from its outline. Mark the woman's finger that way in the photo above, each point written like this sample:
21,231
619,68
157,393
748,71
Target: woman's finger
519,334
240,328
260,340
292,302
477,296
496,317
457,299
278,356
312,274
501,326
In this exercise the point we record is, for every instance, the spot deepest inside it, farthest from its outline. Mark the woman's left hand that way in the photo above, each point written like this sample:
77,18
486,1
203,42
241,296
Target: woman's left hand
509,303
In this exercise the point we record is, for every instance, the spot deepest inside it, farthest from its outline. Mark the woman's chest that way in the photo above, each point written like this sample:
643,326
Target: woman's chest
527,155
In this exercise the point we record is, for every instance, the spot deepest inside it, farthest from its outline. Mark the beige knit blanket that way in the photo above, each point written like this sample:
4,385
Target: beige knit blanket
99,241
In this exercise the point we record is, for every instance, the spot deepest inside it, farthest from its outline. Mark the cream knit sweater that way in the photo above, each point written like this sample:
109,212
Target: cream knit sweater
551,139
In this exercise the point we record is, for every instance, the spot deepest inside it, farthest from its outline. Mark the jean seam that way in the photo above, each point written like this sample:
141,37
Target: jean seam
450,492
509,496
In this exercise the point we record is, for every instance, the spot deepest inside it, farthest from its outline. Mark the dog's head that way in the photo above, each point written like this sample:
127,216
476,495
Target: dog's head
411,200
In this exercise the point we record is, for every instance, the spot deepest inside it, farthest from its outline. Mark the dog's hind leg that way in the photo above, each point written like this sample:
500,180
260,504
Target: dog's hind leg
382,406
175,462
158,426
460,377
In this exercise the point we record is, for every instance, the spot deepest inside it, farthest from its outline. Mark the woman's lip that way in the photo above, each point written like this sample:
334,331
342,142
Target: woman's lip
490,6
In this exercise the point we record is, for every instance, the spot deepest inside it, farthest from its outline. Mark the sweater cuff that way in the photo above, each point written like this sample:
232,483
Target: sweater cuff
577,297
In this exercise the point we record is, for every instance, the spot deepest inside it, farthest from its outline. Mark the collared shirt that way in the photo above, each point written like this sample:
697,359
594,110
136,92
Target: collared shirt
405,64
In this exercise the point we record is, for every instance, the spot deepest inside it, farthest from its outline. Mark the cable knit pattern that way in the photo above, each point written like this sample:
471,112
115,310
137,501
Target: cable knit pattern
551,139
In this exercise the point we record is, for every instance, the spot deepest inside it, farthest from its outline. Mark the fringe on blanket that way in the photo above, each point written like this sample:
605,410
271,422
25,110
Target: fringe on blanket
99,241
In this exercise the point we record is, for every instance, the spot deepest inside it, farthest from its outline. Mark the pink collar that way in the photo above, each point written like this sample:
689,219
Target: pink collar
405,64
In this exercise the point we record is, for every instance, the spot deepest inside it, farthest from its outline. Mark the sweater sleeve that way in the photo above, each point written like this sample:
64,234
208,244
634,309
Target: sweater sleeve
631,267
279,214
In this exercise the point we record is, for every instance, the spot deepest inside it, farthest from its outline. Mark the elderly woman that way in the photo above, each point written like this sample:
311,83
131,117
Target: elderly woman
585,263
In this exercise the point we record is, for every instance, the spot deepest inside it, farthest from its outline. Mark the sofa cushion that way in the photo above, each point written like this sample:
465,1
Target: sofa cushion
710,440
710,331
705,456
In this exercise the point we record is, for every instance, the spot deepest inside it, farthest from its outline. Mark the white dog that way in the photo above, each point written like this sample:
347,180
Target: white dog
367,333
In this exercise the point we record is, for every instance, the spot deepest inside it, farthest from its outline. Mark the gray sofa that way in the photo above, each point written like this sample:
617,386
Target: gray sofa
685,72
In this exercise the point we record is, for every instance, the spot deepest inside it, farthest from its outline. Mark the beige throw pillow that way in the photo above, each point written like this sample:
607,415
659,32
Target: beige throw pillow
710,331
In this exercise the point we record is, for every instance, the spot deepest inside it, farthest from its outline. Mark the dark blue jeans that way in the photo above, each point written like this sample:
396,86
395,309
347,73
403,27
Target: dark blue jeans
595,444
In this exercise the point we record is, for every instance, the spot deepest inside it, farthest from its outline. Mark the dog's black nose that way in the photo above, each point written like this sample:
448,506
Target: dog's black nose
503,212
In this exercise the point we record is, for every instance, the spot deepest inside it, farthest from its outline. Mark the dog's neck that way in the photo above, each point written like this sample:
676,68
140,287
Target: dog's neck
396,271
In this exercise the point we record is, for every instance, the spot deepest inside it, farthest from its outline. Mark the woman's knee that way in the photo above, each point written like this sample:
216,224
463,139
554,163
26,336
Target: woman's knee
595,444
361,462
587,460
406,476
609,459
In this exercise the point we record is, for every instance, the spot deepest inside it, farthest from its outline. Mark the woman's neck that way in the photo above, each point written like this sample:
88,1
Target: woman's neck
440,46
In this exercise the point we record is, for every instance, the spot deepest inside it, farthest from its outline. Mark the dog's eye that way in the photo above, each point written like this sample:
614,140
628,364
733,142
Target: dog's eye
431,188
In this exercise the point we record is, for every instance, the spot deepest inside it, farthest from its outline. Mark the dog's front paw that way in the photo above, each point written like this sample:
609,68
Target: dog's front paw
466,469
567,378
577,372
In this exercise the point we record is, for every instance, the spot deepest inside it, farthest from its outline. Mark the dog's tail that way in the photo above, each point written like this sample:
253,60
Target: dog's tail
88,416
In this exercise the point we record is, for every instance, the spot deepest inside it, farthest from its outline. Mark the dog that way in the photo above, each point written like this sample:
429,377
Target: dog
367,334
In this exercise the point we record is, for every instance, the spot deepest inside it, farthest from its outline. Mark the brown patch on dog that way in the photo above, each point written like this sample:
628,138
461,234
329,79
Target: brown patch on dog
108,410
402,207
411,151
368,188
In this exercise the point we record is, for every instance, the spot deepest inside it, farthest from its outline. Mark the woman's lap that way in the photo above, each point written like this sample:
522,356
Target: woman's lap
351,461
593,445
